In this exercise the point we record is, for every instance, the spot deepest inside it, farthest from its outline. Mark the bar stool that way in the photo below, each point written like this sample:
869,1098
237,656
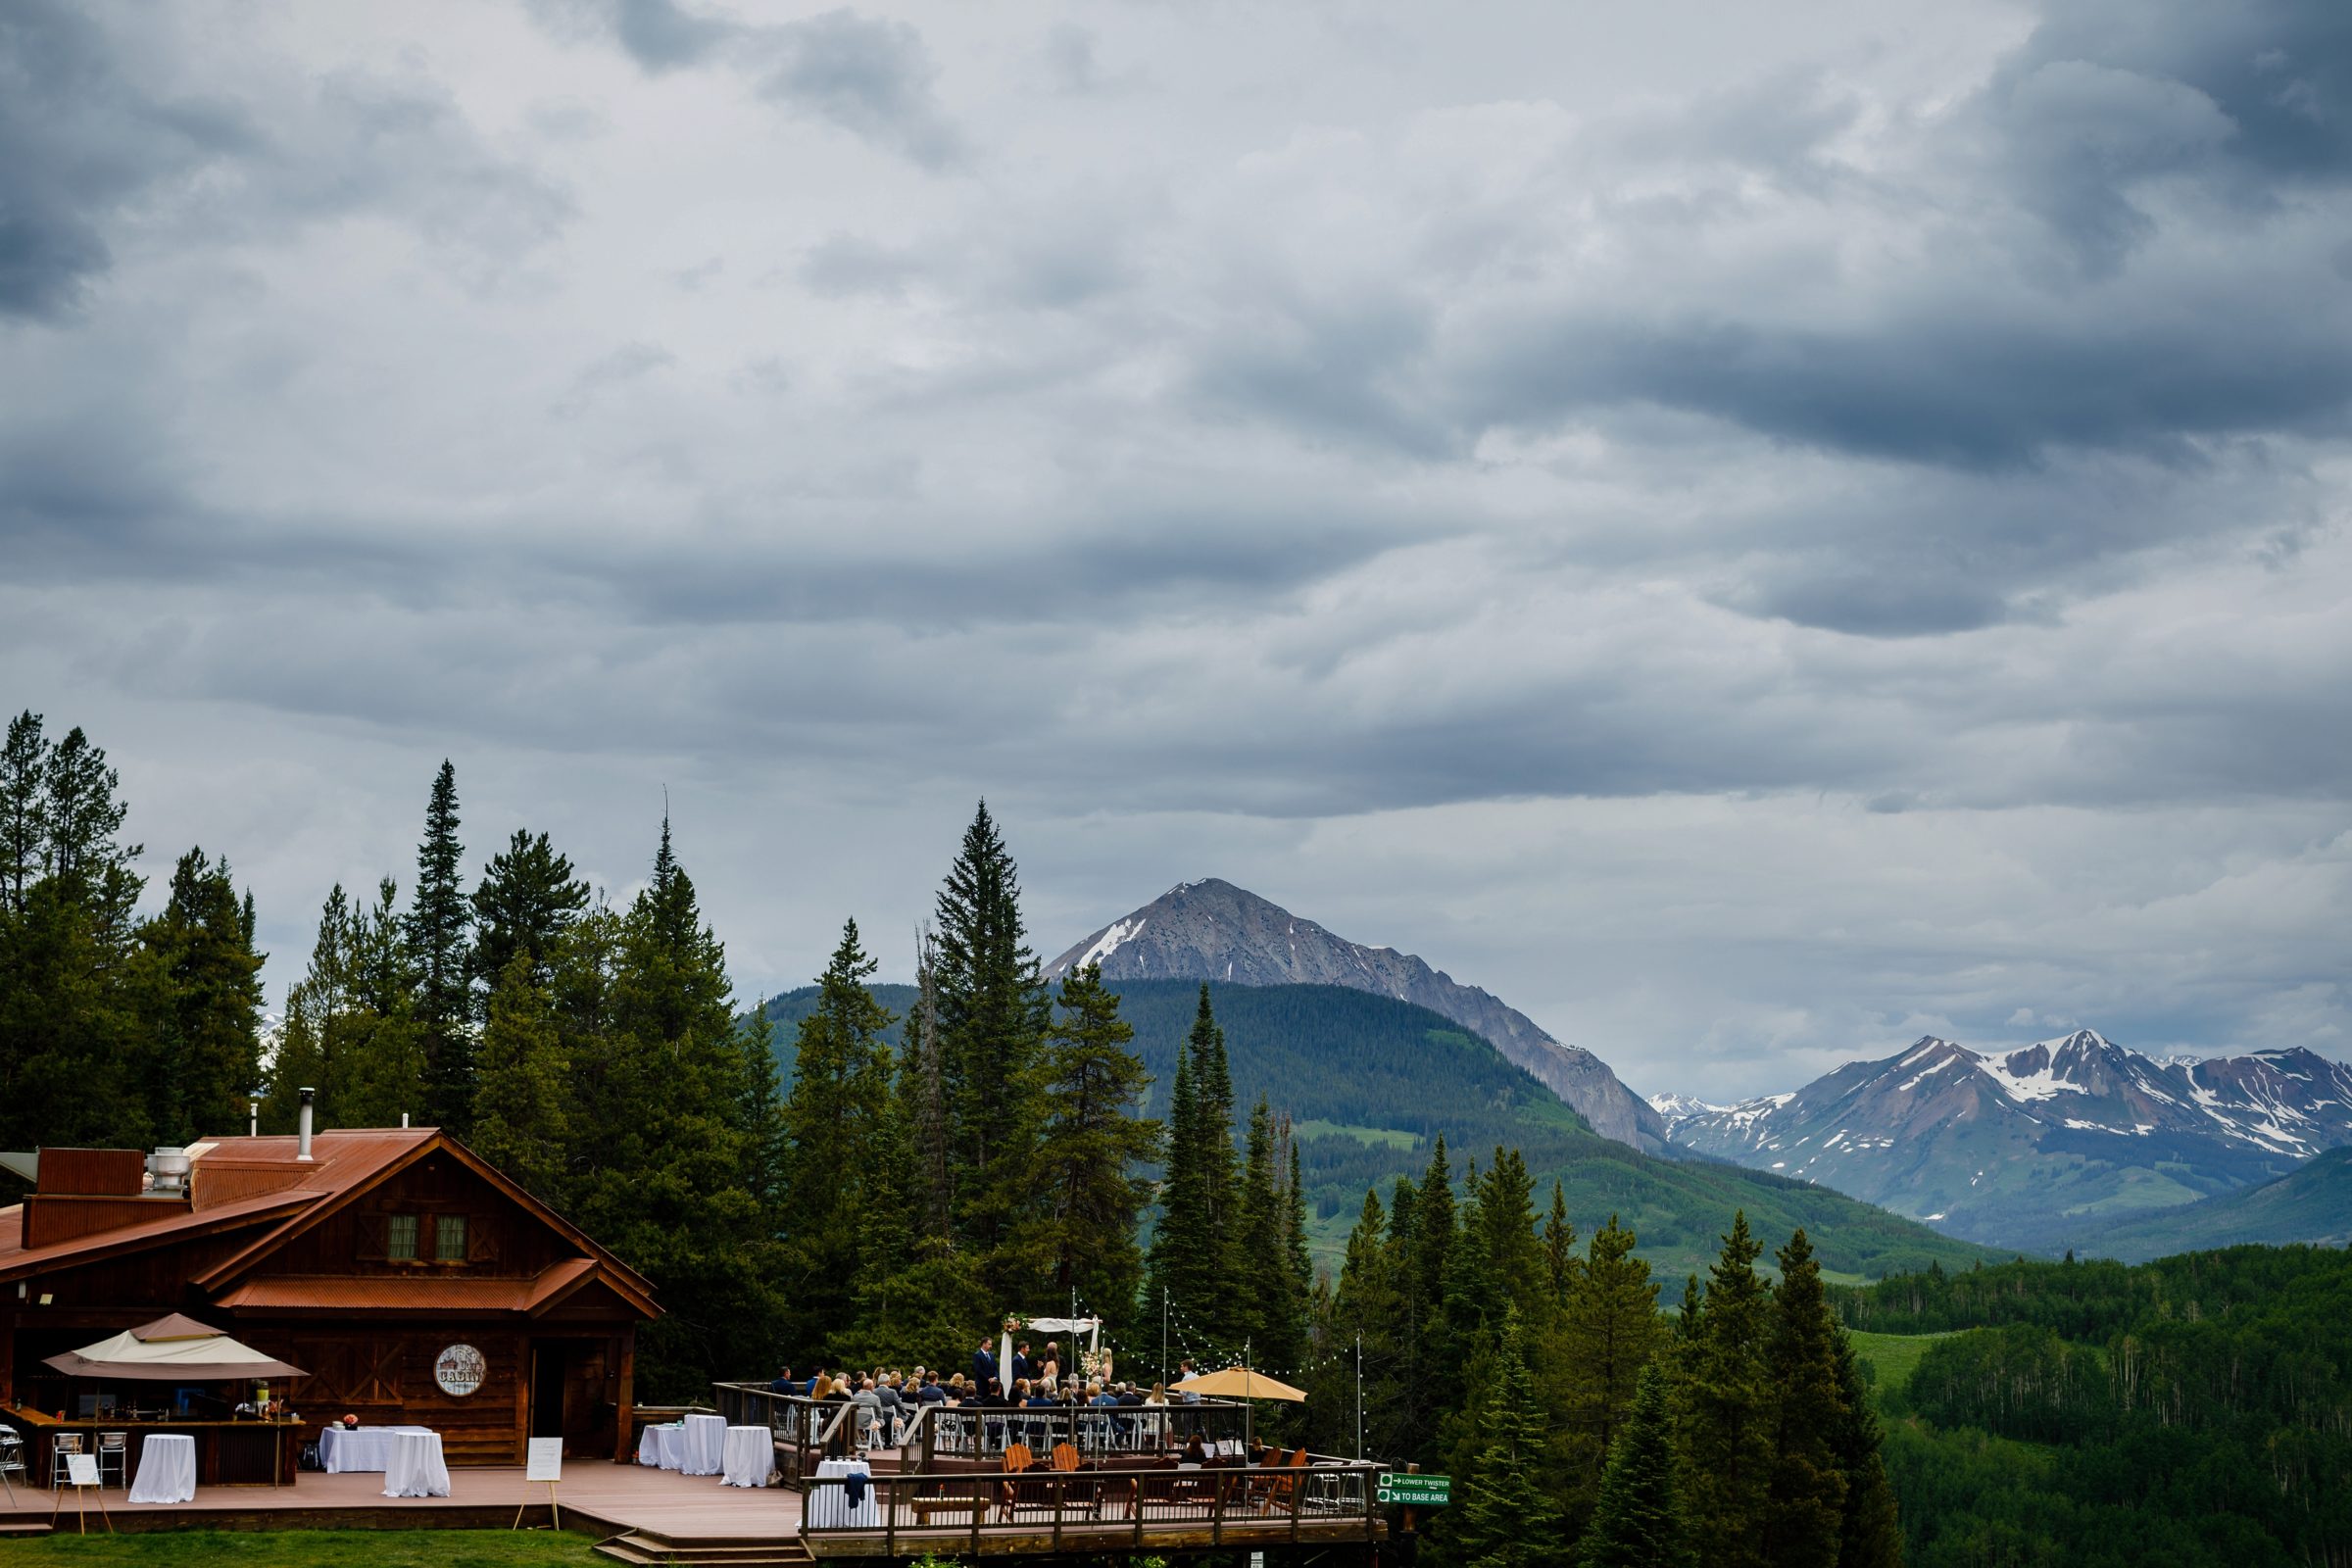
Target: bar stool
113,1453
60,1445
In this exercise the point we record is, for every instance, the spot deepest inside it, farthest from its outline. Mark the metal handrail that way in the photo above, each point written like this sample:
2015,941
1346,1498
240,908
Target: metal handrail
1335,1498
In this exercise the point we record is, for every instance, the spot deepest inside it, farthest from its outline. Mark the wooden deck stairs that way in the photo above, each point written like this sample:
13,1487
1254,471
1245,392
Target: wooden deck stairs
651,1548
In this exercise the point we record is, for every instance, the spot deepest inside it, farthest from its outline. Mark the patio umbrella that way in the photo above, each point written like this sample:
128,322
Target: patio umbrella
1240,1383
172,1350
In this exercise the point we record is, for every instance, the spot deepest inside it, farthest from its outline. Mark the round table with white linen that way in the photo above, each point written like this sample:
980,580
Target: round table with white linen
829,1506
344,1448
750,1454
416,1468
706,1441
662,1446
167,1468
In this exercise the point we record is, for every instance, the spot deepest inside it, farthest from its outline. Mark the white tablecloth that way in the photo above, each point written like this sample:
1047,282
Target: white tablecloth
416,1468
167,1468
828,1507
750,1454
342,1448
705,1445
663,1445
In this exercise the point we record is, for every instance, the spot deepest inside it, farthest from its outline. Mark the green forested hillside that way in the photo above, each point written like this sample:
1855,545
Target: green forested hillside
1353,1069
2193,1412
2311,1205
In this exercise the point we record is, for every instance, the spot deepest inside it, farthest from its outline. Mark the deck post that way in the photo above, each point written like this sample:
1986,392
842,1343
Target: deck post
1217,1508
1061,1489
1136,1507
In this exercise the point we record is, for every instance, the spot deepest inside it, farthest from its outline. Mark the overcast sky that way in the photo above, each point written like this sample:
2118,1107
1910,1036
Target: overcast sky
1754,532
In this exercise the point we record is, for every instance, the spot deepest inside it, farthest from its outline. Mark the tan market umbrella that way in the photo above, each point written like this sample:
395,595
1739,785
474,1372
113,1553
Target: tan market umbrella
1240,1383
172,1350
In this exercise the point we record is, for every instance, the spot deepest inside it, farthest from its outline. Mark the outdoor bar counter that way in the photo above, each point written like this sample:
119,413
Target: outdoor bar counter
250,1452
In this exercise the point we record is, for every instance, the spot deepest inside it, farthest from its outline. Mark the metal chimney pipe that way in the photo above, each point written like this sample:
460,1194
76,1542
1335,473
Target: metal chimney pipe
301,1126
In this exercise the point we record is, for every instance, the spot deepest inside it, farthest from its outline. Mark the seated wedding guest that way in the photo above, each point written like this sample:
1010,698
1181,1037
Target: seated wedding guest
785,1383
1195,1451
930,1393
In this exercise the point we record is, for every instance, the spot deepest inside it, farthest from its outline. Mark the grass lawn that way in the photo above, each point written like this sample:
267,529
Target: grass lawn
1894,1356
306,1549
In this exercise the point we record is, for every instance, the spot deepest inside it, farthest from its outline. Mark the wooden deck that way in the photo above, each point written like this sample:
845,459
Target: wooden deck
597,1497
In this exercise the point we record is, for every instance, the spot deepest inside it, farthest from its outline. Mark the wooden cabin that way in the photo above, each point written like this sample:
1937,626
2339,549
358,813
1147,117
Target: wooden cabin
410,1280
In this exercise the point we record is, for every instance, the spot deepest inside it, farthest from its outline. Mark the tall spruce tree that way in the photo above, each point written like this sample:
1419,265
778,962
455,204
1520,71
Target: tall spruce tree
993,1015
1560,1262
1192,1245
835,1118
1267,1283
1870,1536
526,900
1509,1518
206,1042
922,1095
1610,1330
665,1166
24,777
1638,1521
1093,1142
1806,1501
438,924
1723,1410
519,1119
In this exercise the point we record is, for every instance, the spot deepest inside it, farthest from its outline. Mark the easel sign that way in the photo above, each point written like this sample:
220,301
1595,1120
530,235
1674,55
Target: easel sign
544,1461
81,1470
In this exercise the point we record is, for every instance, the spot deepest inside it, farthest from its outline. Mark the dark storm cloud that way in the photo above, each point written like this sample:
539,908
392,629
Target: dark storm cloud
79,139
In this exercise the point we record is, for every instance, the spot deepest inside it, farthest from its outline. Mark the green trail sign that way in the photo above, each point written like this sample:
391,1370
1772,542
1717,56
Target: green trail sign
1399,1489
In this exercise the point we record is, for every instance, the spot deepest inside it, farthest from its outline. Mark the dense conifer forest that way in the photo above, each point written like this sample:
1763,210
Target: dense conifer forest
2195,1410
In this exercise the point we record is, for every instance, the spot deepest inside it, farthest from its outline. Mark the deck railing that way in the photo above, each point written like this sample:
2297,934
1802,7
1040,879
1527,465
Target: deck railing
1110,1505
948,1436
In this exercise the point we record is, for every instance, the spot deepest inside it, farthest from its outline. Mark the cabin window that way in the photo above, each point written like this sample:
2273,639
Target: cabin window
449,1239
400,1237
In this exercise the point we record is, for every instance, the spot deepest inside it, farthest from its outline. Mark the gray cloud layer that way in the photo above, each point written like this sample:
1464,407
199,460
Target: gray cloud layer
1746,535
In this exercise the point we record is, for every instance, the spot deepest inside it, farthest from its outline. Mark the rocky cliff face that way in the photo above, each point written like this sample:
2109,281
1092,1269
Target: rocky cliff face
1214,930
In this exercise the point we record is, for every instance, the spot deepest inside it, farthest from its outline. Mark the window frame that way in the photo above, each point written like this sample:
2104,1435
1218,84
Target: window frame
445,1226
393,1224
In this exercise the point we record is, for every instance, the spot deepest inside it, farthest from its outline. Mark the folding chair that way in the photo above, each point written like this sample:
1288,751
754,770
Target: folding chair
12,1463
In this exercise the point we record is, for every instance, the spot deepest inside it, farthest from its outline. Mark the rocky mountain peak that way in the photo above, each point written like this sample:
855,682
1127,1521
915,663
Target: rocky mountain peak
1214,930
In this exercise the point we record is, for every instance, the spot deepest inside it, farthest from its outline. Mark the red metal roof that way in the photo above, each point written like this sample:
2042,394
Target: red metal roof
263,1185
422,1293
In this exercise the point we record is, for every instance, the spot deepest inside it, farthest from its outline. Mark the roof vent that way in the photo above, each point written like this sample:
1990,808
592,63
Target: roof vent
302,1125
167,1169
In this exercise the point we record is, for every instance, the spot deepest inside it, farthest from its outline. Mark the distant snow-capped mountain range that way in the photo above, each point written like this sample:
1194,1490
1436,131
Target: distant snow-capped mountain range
2033,1145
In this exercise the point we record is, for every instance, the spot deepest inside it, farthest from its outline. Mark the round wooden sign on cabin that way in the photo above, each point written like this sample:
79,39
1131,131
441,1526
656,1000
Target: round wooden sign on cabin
460,1370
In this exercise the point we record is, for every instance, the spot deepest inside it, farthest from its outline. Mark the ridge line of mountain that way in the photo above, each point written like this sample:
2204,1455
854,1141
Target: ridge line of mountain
1214,930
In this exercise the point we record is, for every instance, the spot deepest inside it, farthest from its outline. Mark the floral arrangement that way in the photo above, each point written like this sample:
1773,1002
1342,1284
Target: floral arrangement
1014,1322
1096,1363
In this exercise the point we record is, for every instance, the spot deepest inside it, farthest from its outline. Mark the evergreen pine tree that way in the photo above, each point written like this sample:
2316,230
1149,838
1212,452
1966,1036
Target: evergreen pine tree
437,928
520,1097
1092,1143
1724,1407
1274,1326
1193,1247
1870,1536
922,1095
834,1118
1507,1518
1610,1330
1560,1262
24,780
993,1015
207,1045
526,899
1638,1521
1807,1497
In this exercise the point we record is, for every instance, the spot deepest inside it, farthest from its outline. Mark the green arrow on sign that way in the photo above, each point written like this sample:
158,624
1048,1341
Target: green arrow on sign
1398,1489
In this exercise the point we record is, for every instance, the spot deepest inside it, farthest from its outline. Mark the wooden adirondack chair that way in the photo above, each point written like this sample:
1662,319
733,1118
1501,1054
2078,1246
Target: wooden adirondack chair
1284,1485
1083,1495
1017,1458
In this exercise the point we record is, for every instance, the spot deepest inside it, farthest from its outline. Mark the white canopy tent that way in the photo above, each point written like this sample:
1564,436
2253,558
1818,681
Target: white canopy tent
1092,1327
